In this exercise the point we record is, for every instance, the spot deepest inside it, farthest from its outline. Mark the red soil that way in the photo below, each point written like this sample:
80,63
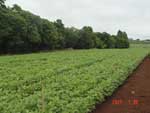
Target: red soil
133,96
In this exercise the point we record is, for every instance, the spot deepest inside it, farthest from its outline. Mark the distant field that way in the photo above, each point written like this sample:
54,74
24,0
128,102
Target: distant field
140,45
65,81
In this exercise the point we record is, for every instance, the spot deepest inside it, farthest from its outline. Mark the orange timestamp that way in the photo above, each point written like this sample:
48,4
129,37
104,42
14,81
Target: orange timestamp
129,102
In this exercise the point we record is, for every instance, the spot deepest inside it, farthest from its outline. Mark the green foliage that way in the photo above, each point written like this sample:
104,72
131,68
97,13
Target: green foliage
49,35
13,27
22,31
101,43
106,37
71,37
86,38
33,35
2,3
122,40
63,82
16,8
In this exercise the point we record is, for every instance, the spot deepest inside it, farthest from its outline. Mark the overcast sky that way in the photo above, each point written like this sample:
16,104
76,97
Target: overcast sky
132,16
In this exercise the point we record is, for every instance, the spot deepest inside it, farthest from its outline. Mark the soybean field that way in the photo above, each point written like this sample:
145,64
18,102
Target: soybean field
71,81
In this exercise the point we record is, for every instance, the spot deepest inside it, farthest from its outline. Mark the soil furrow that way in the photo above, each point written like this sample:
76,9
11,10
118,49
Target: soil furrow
133,96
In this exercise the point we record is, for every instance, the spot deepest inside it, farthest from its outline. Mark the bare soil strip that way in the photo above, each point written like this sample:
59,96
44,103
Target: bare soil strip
133,96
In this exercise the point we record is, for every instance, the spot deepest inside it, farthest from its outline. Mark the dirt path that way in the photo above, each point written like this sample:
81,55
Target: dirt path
133,96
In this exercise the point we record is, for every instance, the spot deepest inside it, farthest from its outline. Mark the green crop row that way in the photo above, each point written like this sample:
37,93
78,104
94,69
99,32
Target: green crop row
63,82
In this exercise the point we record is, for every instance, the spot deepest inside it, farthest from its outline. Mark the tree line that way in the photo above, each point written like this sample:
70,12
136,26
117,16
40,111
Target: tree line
21,31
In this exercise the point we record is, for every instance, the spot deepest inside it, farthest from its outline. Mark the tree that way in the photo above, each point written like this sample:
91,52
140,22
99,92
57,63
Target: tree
12,29
101,43
122,40
86,40
33,36
22,31
105,37
71,37
49,35
111,42
61,33
2,3
16,8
